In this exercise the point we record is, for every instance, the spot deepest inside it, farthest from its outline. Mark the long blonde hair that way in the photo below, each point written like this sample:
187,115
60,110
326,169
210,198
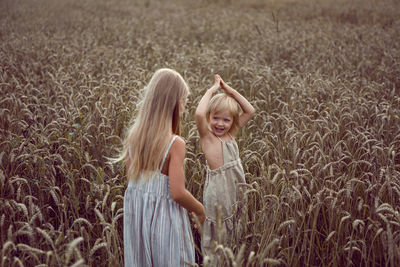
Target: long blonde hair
158,118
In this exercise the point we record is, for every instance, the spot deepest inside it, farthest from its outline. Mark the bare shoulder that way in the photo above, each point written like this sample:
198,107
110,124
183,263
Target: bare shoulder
234,133
178,146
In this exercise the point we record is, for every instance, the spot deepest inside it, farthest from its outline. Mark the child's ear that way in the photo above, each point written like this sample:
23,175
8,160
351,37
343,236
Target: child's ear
182,104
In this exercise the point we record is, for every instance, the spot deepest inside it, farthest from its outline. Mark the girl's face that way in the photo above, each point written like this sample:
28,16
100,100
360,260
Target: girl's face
221,122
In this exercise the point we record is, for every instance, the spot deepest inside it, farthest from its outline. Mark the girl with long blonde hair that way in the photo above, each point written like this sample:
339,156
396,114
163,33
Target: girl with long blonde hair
157,229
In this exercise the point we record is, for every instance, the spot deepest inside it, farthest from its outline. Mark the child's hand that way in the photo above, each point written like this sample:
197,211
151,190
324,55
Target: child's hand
228,90
198,219
217,80
216,85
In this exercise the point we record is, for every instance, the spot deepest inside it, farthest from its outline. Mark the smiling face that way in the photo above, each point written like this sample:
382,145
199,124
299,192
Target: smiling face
223,115
220,122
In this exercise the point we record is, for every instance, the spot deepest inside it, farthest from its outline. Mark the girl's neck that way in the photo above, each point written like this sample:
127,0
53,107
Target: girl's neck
225,138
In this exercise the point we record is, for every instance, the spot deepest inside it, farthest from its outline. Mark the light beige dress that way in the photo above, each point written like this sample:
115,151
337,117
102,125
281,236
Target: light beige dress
221,197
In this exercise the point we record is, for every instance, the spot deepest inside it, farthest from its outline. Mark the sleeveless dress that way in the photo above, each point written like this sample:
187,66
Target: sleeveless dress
157,230
222,197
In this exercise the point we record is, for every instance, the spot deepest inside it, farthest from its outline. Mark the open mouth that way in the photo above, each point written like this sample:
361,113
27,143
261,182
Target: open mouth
219,129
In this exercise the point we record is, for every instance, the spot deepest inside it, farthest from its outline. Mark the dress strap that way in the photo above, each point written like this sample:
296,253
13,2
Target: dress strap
166,151
216,136
129,152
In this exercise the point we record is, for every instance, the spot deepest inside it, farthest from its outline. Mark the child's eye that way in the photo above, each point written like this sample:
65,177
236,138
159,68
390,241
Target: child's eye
227,120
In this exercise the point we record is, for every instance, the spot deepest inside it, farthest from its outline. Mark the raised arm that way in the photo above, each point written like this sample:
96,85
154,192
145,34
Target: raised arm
201,111
177,181
248,109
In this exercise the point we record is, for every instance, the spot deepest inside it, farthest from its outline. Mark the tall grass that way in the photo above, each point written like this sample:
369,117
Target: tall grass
321,156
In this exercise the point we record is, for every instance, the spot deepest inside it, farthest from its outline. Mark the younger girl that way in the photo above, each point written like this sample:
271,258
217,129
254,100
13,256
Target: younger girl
218,121
157,230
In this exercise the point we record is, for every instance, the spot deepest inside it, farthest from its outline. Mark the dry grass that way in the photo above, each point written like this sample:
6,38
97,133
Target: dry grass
322,154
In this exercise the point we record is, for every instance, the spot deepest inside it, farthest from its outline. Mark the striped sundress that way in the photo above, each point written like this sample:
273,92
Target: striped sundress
157,229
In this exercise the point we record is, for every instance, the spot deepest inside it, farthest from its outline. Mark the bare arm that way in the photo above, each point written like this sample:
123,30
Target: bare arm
177,181
248,109
201,110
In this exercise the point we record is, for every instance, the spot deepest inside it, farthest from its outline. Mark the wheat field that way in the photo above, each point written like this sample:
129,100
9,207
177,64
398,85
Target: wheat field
321,155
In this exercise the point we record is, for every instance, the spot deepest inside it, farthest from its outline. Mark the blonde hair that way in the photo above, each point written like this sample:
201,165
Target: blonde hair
223,102
157,118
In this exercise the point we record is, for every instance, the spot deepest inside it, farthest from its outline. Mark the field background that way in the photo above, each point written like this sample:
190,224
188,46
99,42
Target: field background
321,156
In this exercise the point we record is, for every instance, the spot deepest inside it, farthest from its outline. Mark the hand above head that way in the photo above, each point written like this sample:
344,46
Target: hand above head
228,90
217,80
216,85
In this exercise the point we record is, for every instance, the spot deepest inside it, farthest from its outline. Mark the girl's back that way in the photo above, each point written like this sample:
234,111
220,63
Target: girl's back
157,228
